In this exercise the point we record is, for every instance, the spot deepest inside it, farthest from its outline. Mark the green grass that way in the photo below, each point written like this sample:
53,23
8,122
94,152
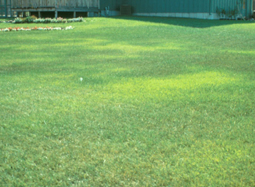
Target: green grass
163,102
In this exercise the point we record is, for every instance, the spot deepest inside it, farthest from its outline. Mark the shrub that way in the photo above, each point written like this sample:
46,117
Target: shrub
54,20
59,20
47,20
30,19
18,20
34,19
70,20
38,20
9,21
253,15
79,19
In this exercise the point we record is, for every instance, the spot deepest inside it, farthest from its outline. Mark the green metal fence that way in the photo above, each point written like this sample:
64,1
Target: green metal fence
5,8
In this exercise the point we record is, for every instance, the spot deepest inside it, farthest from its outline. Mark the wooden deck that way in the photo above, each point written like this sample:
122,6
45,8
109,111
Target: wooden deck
55,3
5,8
62,9
90,6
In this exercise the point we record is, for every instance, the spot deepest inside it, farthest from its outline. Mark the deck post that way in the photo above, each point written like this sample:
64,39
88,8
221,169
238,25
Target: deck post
39,14
5,4
56,12
11,13
74,14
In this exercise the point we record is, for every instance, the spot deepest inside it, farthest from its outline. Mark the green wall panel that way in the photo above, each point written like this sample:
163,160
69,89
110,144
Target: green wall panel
179,6
113,4
163,6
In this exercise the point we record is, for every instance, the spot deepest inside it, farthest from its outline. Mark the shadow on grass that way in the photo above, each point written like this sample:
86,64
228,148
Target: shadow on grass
105,70
184,22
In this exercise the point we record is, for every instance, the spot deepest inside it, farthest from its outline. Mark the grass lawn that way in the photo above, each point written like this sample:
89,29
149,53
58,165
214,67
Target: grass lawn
163,102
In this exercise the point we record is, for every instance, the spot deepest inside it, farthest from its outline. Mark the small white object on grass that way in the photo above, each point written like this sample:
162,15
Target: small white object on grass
68,28
81,79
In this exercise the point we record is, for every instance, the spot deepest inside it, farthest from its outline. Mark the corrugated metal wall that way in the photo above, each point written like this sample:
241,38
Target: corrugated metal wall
181,6
187,6
227,5
113,4
165,6
244,6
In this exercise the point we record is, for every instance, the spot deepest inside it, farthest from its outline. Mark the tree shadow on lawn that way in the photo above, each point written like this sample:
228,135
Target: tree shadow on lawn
184,22
103,71
112,72
103,65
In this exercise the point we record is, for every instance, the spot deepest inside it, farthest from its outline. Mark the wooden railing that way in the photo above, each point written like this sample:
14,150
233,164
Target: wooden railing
55,3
